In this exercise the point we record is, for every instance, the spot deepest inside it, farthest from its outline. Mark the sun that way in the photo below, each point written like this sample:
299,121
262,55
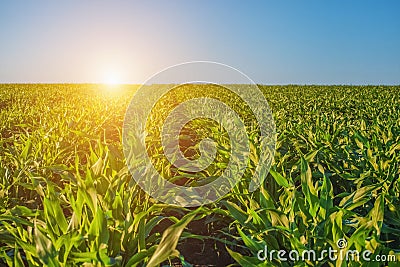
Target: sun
112,83
112,79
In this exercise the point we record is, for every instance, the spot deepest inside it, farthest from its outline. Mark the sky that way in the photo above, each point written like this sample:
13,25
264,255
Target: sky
273,42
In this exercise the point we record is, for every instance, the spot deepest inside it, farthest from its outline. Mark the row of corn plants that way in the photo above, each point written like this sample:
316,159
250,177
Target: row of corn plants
68,199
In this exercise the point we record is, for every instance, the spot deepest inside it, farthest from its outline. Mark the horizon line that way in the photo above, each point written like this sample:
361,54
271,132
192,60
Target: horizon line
124,84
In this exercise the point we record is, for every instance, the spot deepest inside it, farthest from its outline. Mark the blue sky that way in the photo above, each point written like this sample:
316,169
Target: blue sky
273,42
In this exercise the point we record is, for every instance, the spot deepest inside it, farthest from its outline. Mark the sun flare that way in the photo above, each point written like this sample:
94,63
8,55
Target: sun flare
112,79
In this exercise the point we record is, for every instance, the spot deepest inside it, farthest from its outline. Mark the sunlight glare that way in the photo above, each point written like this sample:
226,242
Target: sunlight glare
112,79
112,83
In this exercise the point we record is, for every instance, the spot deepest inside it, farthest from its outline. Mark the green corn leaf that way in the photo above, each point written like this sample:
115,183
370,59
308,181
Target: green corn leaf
358,197
169,240
282,181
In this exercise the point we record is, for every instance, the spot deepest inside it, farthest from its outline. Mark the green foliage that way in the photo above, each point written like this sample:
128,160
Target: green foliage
336,175
67,198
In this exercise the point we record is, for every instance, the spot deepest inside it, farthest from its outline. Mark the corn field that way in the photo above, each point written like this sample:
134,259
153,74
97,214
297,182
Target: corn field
67,197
